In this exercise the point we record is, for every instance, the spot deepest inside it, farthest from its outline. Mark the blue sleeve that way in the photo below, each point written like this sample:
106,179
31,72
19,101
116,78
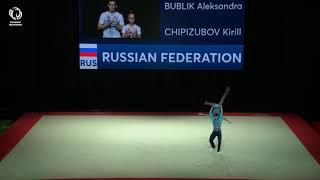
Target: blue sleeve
220,118
211,116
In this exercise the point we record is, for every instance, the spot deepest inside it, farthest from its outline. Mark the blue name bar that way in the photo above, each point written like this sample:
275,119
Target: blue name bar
186,57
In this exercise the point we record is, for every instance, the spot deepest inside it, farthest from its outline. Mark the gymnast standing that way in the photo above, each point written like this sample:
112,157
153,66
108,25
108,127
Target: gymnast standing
216,116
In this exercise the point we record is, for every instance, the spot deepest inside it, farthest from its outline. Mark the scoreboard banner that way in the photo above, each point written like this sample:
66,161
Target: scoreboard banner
162,34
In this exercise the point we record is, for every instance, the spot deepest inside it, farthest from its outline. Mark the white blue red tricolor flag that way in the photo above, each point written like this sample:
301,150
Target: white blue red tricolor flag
88,56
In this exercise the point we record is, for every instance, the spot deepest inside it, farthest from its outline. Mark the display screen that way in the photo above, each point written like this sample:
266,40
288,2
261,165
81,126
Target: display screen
161,34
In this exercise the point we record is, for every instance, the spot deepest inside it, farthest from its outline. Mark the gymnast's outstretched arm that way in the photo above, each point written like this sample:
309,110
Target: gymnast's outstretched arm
208,103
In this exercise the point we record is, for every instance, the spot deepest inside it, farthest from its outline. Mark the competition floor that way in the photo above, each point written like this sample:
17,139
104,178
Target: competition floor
105,145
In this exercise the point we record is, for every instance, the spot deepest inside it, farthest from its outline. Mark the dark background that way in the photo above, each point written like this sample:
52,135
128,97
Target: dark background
42,73
146,14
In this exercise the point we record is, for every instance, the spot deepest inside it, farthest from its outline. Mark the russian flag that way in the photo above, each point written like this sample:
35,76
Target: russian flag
88,50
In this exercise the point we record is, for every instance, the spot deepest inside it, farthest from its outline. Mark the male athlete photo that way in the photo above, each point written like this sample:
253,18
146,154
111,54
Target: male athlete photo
216,116
111,21
131,30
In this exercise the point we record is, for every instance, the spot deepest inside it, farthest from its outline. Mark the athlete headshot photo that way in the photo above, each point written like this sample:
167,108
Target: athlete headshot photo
131,30
111,22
